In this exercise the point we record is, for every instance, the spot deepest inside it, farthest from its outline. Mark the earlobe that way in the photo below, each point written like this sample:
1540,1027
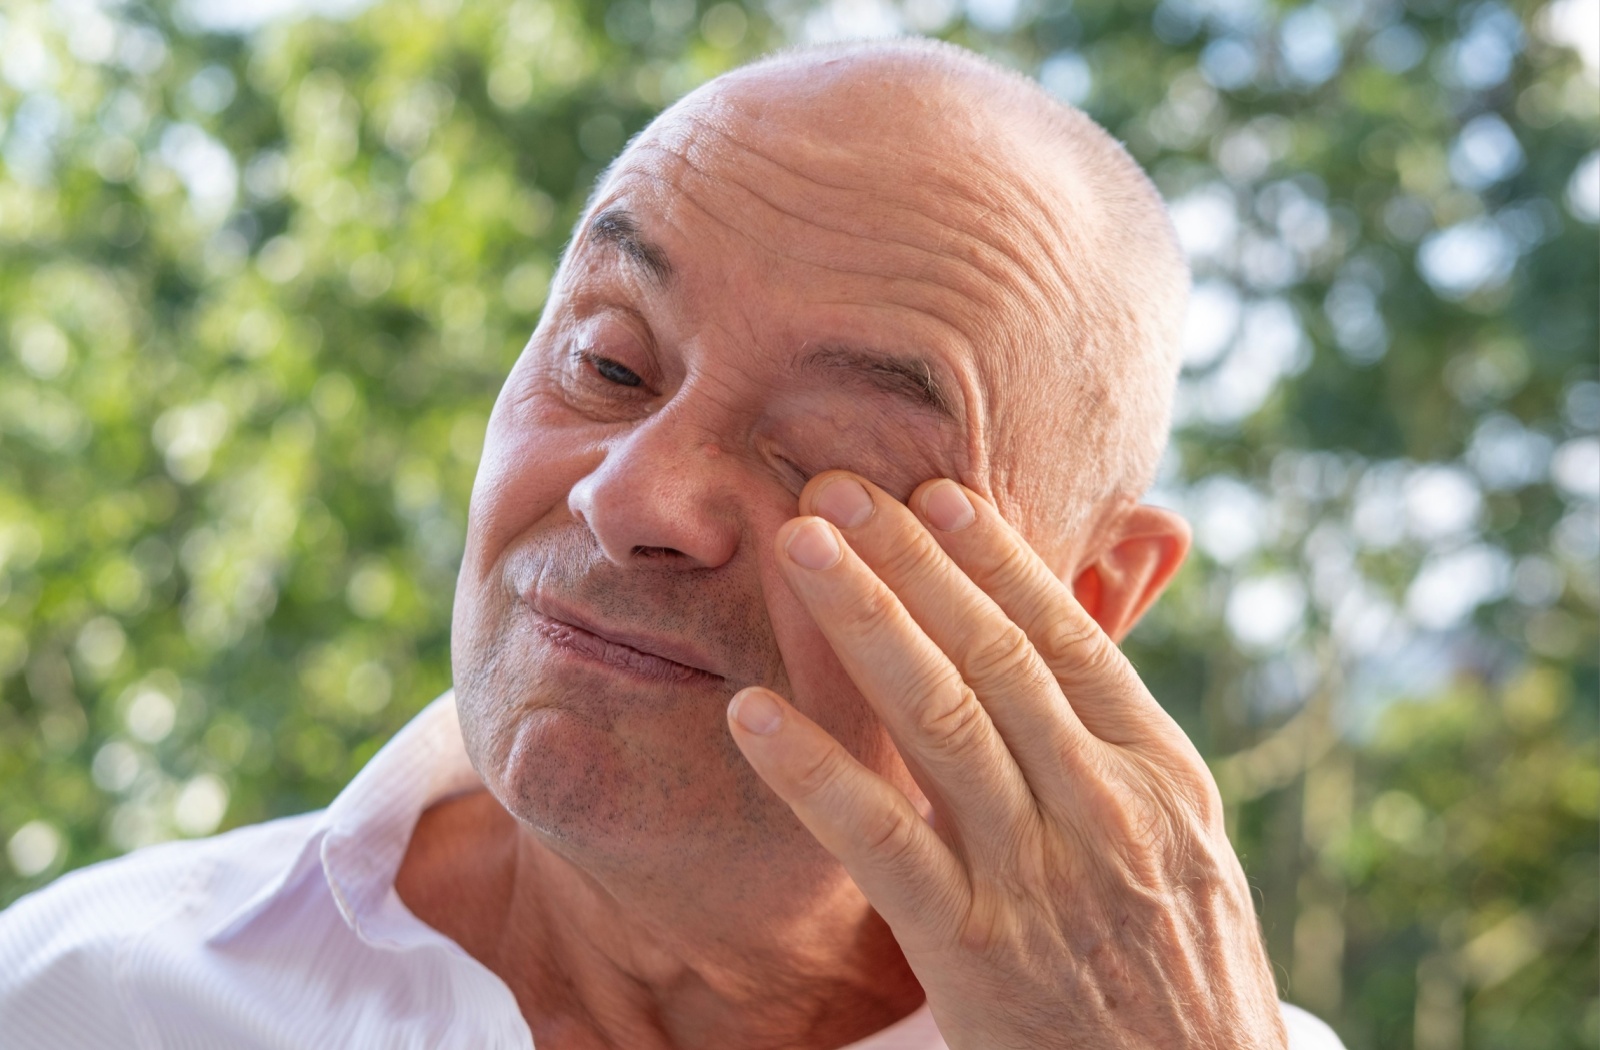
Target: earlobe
1146,550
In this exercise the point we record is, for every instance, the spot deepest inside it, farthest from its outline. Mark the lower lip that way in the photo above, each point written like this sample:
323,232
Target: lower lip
599,650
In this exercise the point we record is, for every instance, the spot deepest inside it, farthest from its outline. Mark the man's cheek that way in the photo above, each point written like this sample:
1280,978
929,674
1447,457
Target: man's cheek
525,472
819,686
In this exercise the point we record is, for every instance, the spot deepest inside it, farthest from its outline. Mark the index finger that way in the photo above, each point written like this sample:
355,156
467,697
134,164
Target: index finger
1105,691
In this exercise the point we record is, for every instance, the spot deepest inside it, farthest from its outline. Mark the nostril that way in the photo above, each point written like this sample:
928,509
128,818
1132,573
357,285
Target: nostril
655,552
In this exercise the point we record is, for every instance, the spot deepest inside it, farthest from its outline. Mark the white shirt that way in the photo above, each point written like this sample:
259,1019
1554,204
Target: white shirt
290,934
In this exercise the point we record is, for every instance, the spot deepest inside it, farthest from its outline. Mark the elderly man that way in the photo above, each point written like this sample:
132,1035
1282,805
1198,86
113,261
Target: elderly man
788,710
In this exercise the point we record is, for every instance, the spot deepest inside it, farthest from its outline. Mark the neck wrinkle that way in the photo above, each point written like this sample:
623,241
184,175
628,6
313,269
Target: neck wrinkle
580,958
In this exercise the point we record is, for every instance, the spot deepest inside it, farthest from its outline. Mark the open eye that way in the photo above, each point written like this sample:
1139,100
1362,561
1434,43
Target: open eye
613,372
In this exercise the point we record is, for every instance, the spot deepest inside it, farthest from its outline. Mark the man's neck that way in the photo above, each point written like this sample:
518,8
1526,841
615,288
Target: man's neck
592,968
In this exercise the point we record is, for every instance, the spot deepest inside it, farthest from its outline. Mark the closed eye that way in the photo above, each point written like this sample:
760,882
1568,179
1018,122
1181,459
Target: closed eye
802,475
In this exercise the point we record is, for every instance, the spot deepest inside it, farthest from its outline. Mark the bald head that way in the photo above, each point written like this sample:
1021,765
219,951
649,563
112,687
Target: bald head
978,183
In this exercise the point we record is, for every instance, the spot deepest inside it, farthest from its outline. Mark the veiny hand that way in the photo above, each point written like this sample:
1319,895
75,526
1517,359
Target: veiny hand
1075,887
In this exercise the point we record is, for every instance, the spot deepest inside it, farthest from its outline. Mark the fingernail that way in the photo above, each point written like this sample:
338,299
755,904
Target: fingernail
844,502
756,712
812,546
947,507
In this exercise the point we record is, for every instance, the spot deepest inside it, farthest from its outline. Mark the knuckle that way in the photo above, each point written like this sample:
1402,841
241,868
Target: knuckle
910,553
1209,808
1196,790
1075,642
918,683
1072,748
957,729
1010,568
1005,653
1146,824
820,775
872,608
1162,838
890,835
990,930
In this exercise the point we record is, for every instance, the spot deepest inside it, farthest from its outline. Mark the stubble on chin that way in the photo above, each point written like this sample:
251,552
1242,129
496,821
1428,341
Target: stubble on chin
634,777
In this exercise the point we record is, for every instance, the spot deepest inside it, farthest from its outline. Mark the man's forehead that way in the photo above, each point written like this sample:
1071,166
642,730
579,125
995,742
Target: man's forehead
854,229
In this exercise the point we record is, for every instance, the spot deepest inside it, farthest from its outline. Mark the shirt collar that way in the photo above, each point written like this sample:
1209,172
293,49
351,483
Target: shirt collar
361,838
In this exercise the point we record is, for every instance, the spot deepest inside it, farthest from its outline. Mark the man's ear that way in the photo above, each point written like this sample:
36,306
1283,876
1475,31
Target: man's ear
1146,550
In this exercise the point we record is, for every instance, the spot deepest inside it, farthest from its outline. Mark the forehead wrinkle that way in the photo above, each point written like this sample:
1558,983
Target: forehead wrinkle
686,197
1039,194
1020,154
1084,317
1012,186
980,262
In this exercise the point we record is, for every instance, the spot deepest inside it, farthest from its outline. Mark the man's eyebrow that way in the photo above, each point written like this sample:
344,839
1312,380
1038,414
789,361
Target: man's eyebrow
617,227
911,378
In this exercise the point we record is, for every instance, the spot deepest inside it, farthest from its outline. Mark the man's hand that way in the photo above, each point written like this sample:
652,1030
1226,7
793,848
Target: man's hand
1075,887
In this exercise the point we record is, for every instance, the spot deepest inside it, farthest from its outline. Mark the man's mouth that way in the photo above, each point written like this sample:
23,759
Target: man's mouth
647,656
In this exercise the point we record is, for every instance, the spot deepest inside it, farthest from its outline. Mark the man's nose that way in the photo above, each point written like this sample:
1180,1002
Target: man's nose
660,496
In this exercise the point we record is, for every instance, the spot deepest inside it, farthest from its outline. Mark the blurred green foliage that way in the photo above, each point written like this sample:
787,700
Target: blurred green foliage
259,286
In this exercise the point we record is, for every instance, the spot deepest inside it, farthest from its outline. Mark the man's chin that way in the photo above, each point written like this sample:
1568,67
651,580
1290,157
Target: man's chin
614,767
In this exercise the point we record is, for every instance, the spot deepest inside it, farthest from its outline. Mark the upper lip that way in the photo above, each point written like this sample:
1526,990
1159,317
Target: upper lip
676,650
